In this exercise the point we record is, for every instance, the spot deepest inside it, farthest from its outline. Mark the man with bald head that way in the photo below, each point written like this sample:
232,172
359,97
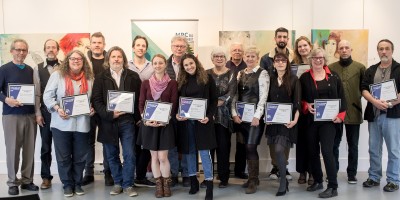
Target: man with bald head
351,73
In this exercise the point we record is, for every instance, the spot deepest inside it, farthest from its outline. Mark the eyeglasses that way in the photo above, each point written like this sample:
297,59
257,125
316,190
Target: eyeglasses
179,46
219,57
21,50
280,60
237,50
317,58
76,59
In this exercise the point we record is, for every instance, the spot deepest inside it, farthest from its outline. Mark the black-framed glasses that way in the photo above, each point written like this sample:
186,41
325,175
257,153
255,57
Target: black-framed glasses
318,58
280,60
75,59
21,50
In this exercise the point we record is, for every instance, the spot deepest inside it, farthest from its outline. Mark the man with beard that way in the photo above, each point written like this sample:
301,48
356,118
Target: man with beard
351,73
41,75
383,119
267,61
96,56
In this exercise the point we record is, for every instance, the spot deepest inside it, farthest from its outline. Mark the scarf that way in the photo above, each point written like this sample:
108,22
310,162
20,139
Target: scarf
345,61
157,87
69,88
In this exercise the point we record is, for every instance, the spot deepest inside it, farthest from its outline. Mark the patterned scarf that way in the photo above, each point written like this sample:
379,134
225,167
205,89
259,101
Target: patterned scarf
69,88
157,87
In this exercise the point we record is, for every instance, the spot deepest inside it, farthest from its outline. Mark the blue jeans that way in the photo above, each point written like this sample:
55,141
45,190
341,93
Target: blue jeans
47,139
387,129
173,157
71,148
122,174
192,156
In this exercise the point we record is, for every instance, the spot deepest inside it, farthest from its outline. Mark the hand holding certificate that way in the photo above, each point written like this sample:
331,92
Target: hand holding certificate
245,111
157,111
326,109
384,90
120,101
278,113
192,108
76,105
23,93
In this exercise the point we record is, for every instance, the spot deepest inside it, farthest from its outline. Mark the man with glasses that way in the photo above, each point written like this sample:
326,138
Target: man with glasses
266,62
19,120
41,75
383,117
179,46
351,73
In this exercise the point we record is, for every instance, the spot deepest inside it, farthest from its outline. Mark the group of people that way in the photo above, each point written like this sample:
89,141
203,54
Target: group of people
245,77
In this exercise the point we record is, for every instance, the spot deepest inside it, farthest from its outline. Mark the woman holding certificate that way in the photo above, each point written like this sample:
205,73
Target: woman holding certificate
115,94
247,110
71,85
225,81
158,136
324,104
282,131
198,89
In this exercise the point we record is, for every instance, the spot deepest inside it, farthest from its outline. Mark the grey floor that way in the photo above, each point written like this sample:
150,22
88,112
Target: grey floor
266,190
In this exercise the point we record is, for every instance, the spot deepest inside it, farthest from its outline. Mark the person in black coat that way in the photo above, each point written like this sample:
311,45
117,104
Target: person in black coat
197,135
117,126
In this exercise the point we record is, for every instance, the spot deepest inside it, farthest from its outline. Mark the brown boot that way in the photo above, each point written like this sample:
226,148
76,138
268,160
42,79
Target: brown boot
159,187
253,167
166,186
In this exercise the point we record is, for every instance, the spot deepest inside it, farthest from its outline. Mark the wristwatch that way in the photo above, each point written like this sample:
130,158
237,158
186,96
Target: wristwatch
390,105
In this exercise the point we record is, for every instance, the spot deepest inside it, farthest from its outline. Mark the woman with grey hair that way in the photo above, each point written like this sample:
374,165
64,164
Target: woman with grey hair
321,83
226,83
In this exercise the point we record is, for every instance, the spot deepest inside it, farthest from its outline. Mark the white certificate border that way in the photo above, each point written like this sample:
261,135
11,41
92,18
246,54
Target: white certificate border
17,84
108,100
325,120
62,103
277,103
380,83
190,98
242,102
158,102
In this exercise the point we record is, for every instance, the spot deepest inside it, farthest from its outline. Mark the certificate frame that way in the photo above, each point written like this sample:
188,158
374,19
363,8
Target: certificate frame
11,93
298,70
240,112
117,92
379,88
317,112
269,107
182,112
148,113
65,103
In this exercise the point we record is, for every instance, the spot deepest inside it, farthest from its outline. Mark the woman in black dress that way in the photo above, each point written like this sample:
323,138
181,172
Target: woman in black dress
284,88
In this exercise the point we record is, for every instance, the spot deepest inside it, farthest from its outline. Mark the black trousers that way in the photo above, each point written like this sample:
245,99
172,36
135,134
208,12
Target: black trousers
352,136
223,136
302,159
143,158
322,133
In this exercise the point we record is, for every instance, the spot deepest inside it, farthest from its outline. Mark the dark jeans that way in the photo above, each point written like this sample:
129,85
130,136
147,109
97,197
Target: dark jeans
352,135
45,150
223,150
322,133
143,158
95,120
122,174
71,150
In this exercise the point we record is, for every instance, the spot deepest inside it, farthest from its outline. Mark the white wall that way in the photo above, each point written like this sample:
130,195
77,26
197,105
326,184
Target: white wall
113,19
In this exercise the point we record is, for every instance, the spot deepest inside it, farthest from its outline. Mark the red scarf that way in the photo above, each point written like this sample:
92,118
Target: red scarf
157,87
69,88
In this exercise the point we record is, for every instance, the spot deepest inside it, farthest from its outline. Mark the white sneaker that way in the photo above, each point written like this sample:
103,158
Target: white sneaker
130,192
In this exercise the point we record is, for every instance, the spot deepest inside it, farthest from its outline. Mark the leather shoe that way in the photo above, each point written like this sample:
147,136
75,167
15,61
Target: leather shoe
13,190
241,175
108,179
87,179
314,187
30,187
46,184
174,181
328,193
185,181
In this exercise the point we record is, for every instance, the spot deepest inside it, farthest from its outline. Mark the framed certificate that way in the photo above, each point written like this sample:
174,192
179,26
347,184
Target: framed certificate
76,105
326,109
24,93
298,70
278,113
192,108
245,111
120,101
386,90
157,111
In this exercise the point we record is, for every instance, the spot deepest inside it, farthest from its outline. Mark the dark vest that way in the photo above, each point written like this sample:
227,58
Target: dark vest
248,87
170,69
44,76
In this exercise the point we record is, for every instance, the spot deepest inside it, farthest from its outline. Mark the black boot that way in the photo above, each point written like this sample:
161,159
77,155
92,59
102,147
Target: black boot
194,185
209,191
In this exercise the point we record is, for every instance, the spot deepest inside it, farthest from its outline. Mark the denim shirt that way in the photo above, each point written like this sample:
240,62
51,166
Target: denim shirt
55,90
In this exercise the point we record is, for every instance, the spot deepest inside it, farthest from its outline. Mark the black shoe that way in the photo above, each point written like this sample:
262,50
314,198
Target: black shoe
194,185
314,187
209,190
144,183
370,183
68,192
328,193
286,189
108,179
174,181
79,191
241,175
390,187
13,190
223,184
203,184
274,174
87,179
30,187
352,180
185,181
